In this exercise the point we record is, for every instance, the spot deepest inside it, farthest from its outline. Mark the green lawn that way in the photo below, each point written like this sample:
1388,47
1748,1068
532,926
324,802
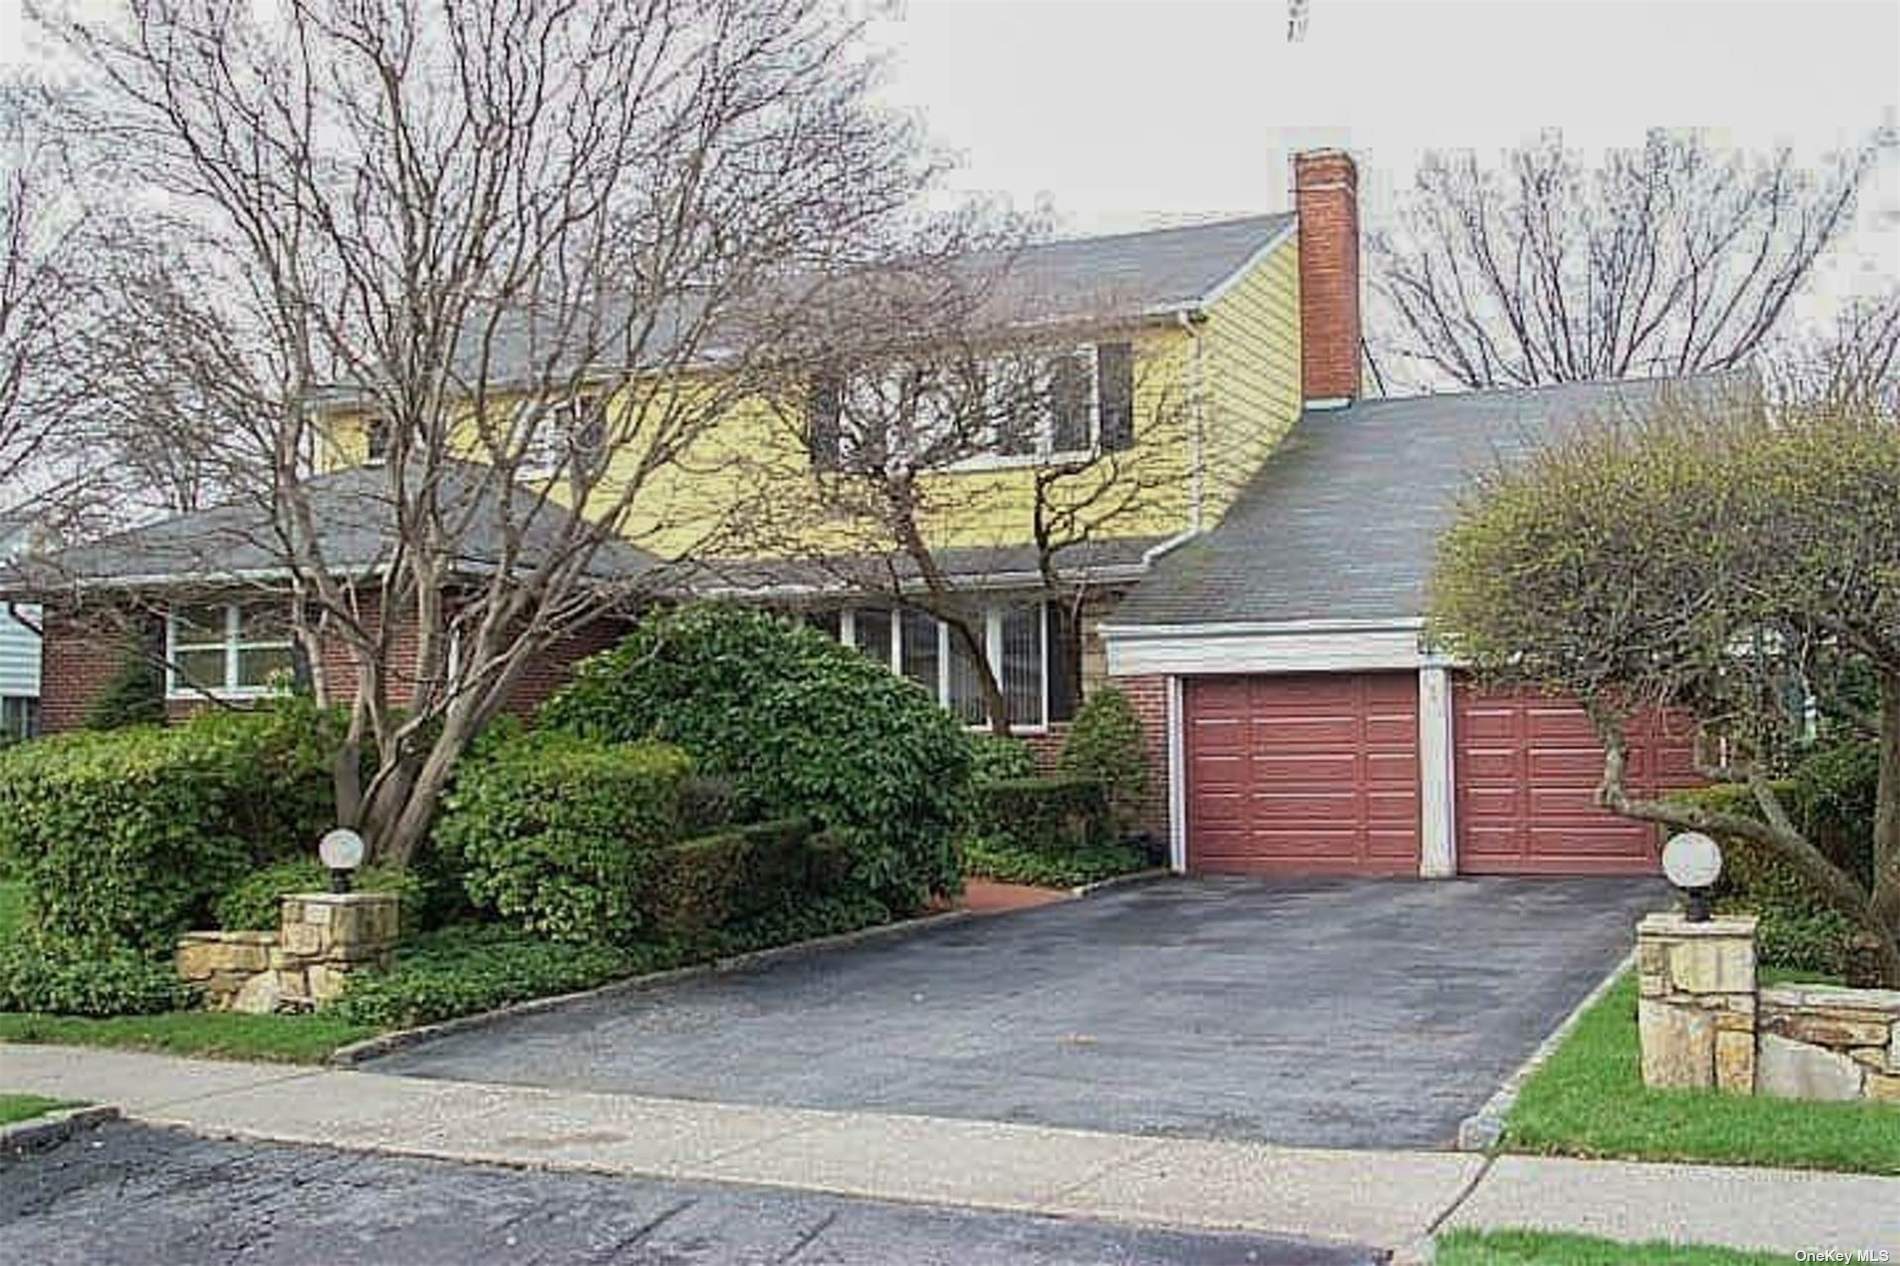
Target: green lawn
286,1039
1544,1248
1589,1100
25,1107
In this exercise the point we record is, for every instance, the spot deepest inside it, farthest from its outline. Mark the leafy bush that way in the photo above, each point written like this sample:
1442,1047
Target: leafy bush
712,881
557,833
802,725
996,758
1003,861
125,838
1052,817
466,969
133,695
1106,743
253,903
36,975
1799,930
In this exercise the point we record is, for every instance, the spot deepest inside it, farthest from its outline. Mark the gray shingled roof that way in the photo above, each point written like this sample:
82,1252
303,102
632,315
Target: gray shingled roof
1342,521
1118,277
355,516
1111,558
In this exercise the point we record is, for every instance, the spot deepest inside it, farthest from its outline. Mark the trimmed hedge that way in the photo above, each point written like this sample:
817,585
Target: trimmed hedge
463,970
62,980
710,882
801,725
1106,743
558,834
125,838
997,758
1051,817
254,903
991,859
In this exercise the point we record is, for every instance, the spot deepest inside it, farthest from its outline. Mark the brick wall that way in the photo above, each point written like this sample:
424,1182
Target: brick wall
80,656
1149,695
1326,196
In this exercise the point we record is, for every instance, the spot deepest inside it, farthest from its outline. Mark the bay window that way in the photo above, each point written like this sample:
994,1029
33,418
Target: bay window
228,648
1017,642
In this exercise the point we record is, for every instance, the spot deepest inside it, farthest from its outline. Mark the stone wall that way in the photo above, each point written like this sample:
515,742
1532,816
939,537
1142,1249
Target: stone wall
1704,1022
321,938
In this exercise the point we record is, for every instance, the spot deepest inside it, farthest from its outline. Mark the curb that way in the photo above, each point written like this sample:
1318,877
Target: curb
1481,1131
386,1043
1130,880
53,1128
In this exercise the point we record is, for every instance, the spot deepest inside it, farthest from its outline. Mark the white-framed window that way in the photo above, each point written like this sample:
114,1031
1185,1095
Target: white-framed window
230,649
921,648
573,428
1006,411
19,717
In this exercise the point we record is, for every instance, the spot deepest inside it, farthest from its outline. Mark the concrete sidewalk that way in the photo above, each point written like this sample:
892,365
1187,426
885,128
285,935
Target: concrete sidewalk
1392,1199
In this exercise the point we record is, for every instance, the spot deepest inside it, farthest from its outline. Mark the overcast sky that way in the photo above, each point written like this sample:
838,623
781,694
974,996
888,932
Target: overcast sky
1127,113
1122,114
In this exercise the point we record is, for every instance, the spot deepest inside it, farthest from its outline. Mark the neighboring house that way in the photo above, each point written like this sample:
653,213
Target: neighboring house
1263,611
19,640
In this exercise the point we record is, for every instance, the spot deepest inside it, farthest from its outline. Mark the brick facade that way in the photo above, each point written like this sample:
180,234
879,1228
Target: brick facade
1326,197
1149,695
80,656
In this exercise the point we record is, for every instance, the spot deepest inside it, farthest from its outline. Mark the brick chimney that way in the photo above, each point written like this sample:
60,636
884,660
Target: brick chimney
1326,196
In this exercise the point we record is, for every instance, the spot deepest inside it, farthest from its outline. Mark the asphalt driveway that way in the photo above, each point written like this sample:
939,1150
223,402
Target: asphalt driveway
1325,1012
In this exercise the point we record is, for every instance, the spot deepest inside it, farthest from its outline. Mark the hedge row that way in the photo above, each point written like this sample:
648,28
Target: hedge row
1049,816
124,839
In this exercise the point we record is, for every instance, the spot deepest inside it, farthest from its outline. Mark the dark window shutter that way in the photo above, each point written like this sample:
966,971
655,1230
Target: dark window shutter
1065,662
376,438
1115,388
1069,402
824,407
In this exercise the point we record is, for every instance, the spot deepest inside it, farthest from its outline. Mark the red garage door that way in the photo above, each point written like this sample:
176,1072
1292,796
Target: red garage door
1310,773
1527,773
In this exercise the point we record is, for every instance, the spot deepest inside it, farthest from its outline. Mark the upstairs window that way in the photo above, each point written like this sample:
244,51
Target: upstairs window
376,438
1001,411
227,649
559,434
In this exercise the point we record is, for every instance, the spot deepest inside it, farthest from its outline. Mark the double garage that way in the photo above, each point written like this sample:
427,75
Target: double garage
1402,772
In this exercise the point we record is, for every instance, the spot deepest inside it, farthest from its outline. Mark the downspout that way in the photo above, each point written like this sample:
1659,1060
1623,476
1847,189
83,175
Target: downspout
1197,496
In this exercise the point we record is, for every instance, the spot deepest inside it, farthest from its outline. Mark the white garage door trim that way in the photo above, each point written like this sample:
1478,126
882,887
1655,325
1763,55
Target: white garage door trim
1302,646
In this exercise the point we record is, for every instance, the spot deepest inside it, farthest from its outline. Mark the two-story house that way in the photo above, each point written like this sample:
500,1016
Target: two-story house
19,639
1261,602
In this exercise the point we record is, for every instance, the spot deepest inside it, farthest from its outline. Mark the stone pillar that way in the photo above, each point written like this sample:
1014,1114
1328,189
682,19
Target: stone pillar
1696,1014
327,935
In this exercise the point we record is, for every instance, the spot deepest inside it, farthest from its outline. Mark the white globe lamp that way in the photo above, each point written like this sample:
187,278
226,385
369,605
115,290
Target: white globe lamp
1693,862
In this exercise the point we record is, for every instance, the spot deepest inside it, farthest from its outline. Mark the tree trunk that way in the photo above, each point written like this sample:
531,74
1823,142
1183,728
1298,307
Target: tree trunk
1841,890
1887,810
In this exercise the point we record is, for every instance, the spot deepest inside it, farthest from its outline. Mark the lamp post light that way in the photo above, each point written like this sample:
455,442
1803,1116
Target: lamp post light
1693,862
342,852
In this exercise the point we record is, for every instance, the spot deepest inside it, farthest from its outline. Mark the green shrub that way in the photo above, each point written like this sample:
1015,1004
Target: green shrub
60,979
125,838
463,970
252,904
133,695
1003,861
1106,744
997,758
1799,930
802,725
557,833
712,881
1052,817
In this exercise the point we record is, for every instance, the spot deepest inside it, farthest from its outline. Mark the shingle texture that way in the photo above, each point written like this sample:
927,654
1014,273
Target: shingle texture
355,514
1342,521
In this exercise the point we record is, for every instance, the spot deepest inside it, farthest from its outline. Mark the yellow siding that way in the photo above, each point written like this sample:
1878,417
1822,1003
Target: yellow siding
1253,373
745,487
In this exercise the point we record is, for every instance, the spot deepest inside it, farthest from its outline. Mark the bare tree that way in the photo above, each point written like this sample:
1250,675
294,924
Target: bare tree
38,230
502,239
943,418
1673,258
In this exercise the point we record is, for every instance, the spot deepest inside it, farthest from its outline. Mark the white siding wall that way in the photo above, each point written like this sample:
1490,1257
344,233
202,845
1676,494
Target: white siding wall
19,655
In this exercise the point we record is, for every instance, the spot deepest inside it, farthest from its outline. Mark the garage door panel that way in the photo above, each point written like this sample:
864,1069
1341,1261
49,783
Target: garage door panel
1527,769
1319,773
